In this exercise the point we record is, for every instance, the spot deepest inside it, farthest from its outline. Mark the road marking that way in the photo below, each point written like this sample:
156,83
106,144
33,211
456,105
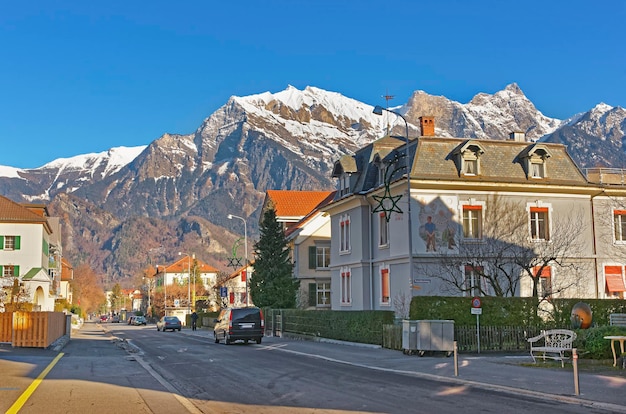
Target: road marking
15,408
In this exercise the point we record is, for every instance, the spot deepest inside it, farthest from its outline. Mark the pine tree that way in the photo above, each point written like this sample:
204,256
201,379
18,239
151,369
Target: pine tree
272,284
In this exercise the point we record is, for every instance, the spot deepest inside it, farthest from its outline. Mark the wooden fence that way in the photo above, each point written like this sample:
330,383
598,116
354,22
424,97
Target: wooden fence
33,329
492,338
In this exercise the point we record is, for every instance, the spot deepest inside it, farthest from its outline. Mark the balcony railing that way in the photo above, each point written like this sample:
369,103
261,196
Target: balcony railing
615,176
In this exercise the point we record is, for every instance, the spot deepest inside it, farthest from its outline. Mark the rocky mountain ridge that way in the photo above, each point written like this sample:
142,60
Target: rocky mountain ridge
175,193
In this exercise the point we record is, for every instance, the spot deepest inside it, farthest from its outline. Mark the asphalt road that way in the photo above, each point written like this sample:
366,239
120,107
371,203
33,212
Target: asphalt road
127,369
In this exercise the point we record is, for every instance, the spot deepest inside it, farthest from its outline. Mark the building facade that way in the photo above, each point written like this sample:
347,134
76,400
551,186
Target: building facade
487,217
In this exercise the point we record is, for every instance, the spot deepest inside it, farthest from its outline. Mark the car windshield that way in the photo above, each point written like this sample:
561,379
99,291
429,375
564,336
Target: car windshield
171,319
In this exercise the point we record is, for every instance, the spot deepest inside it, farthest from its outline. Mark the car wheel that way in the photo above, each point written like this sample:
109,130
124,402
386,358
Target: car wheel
258,340
179,329
158,329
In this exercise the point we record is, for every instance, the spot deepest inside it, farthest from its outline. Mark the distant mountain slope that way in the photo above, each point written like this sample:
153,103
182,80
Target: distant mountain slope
188,184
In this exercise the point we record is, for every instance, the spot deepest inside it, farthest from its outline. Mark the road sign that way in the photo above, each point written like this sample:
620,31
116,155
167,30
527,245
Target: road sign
476,302
176,303
477,311
223,291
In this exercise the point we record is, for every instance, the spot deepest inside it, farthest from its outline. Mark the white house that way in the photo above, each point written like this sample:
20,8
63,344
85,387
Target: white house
27,247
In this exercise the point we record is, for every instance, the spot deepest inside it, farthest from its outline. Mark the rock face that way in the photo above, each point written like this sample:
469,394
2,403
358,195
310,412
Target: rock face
129,207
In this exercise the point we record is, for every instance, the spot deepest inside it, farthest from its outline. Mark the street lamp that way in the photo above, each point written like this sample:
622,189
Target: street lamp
245,246
188,279
378,110
164,289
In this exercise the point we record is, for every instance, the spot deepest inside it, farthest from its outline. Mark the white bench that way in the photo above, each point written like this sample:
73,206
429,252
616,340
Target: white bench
552,344
617,319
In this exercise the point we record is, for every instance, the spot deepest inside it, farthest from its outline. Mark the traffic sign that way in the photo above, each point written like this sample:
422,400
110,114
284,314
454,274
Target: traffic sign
476,302
223,291
477,311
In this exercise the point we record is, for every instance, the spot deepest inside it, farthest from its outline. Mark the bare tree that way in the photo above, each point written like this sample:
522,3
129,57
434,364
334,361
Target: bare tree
496,263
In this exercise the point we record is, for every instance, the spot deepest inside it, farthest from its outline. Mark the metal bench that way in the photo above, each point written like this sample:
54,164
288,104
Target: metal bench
552,344
617,319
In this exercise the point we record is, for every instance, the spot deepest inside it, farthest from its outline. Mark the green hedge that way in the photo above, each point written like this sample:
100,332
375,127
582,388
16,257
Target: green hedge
355,326
498,311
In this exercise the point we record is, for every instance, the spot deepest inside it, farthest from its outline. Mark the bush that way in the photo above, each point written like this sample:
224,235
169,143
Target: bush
591,342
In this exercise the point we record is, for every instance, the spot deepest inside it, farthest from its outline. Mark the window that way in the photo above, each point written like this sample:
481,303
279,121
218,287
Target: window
384,286
470,166
539,229
344,184
383,225
537,169
322,255
346,286
9,242
344,236
472,222
323,294
619,222
545,282
10,271
473,275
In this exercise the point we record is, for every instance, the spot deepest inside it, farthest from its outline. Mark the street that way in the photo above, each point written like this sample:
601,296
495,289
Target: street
137,369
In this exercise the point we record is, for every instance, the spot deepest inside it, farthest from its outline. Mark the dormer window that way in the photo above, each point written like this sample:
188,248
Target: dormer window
535,159
344,184
467,158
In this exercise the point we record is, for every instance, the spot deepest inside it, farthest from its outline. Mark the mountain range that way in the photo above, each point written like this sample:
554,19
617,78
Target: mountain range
132,206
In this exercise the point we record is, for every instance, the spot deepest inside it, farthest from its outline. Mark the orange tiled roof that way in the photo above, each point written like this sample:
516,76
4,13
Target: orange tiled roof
66,270
10,211
182,266
289,203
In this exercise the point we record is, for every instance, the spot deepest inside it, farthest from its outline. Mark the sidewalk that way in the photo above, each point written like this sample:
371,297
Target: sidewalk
599,386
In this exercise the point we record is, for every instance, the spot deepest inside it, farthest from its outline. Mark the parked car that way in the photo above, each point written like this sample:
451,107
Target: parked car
169,322
139,320
104,318
115,319
239,324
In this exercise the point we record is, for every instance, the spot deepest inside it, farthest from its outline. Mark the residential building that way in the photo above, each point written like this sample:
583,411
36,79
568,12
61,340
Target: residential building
232,290
307,230
178,273
67,275
488,217
29,254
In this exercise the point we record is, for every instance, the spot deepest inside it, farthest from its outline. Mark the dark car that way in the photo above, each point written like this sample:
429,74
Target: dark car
169,322
139,320
239,324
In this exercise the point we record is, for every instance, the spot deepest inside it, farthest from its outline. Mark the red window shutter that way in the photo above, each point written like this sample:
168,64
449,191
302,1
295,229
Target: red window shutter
385,282
613,270
472,207
545,272
244,275
231,298
539,209
619,212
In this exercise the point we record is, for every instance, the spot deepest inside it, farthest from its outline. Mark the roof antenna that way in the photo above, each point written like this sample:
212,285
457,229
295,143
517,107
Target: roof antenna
388,98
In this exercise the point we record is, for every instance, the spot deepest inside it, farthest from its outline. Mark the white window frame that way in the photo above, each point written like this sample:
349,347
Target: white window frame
344,234
9,242
534,221
322,257
472,281
383,230
619,226
537,169
472,216
385,280
345,286
543,290
322,291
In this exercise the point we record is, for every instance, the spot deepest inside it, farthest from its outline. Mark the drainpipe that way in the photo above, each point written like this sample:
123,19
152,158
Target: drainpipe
594,247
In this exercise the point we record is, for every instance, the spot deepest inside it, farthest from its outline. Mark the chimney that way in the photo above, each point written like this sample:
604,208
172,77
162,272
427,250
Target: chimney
427,126
517,136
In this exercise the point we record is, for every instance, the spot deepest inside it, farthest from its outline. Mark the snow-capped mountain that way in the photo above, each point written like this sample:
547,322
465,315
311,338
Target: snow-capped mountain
284,140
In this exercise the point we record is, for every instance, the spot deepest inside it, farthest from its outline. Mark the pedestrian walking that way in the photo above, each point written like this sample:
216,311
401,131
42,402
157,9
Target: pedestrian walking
194,320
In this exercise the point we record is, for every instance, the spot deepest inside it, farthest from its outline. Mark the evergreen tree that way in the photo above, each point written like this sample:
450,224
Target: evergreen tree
272,283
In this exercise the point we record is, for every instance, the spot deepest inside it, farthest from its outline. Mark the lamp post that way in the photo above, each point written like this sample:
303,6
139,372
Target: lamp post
378,110
245,246
188,279
164,290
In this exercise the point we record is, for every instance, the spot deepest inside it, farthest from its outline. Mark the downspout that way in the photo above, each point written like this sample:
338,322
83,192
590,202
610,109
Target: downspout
594,247
370,237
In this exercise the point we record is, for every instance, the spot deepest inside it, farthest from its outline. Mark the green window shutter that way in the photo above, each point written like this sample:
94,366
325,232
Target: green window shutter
1,242
16,271
17,242
312,294
1,271
312,257
45,247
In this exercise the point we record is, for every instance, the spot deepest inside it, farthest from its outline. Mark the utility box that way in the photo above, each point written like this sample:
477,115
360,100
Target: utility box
409,336
420,336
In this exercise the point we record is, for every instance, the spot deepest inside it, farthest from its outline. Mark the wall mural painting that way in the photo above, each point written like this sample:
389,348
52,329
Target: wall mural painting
438,227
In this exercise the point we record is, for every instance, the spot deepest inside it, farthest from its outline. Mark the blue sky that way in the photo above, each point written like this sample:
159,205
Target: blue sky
82,76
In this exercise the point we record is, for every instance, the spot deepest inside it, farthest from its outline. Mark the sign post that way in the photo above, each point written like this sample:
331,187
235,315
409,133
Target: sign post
477,310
